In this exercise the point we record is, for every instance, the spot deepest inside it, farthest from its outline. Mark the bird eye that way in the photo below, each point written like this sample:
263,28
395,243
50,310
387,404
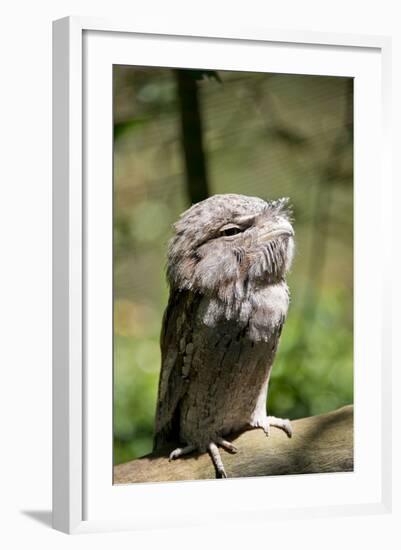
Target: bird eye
230,230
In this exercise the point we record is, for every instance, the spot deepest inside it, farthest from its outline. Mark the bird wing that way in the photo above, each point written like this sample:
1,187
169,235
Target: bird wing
175,337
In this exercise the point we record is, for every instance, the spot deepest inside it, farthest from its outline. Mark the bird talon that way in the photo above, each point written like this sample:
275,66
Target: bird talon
269,421
173,455
216,458
227,445
281,423
179,451
288,428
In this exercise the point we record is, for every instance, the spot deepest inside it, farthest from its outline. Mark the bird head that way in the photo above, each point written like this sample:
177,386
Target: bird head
230,244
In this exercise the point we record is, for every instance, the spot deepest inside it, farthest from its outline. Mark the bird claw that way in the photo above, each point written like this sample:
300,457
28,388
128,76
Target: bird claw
180,451
227,445
281,423
287,427
216,458
213,451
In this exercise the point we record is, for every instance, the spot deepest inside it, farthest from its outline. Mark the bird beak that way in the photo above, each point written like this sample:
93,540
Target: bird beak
284,230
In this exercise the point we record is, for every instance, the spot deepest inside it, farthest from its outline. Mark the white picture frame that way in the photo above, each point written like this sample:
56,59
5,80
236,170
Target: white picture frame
84,498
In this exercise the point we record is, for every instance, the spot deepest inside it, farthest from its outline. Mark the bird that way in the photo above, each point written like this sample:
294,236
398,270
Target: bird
227,263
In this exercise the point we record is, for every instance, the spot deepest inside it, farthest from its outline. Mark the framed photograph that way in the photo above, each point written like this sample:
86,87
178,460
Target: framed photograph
219,324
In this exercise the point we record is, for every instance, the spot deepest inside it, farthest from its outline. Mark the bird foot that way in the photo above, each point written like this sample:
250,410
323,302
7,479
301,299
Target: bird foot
282,423
180,451
213,451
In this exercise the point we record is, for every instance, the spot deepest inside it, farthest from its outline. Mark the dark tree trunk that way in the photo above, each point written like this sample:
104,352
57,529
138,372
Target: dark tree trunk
191,135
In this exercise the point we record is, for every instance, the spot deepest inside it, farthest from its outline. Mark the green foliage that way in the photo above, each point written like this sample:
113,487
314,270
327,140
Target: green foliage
136,366
312,373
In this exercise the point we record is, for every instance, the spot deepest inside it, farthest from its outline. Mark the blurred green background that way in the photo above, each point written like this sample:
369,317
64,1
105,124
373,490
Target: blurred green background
269,135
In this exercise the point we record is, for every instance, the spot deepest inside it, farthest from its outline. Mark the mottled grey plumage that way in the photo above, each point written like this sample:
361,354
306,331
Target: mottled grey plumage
228,301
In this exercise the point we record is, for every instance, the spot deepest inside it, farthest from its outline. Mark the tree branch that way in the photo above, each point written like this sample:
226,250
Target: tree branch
320,444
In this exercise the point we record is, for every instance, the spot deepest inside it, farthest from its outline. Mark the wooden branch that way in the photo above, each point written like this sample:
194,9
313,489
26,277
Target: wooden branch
321,443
